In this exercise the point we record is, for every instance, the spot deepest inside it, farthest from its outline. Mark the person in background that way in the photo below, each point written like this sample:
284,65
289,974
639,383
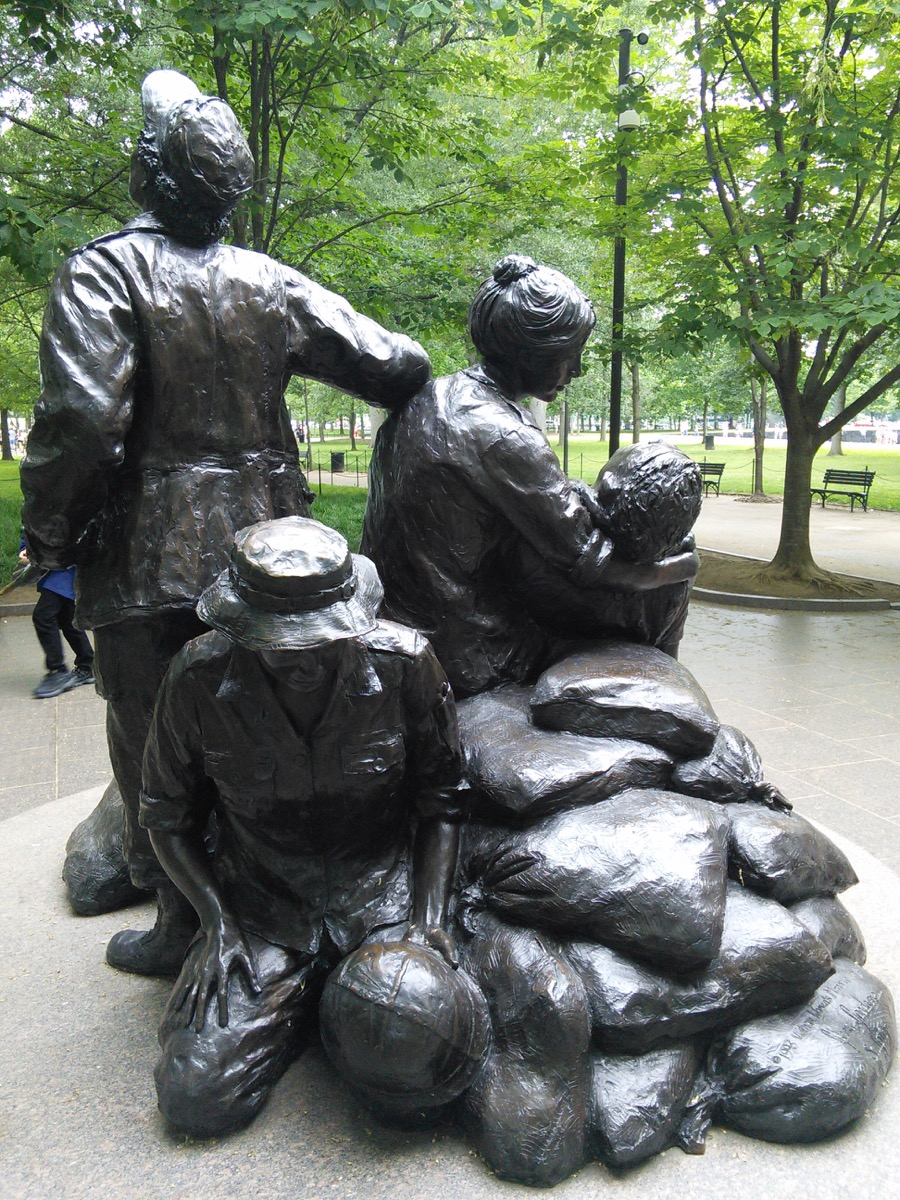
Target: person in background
53,619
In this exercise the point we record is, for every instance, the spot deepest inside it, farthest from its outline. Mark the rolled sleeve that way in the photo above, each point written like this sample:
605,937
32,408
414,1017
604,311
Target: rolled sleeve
175,797
434,759
521,478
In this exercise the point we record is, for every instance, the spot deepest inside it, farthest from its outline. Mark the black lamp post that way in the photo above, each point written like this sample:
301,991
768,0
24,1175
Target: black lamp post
626,122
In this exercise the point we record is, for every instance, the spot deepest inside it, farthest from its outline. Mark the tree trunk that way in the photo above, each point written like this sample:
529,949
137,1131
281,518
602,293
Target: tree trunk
603,426
538,410
836,448
376,420
7,444
352,421
321,431
793,557
705,415
758,402
635,401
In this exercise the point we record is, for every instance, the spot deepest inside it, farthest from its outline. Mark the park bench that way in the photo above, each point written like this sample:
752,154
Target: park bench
712,475
854,484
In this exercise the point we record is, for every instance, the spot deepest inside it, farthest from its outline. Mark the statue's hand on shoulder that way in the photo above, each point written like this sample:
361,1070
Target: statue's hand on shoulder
643,577
226,951
681,566
437,938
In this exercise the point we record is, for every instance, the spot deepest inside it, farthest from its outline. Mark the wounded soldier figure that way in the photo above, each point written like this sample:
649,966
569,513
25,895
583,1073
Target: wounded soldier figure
318,737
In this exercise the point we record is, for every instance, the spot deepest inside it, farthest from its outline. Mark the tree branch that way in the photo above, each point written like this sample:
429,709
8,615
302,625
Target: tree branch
853,410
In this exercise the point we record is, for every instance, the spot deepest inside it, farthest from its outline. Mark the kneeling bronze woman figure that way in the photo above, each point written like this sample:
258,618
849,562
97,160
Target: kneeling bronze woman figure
320,729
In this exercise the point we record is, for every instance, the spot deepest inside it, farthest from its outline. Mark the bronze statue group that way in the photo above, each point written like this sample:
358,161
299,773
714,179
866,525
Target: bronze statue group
451,801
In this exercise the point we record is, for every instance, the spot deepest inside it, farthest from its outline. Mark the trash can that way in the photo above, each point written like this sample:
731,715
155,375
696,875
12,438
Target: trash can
709,443
337,461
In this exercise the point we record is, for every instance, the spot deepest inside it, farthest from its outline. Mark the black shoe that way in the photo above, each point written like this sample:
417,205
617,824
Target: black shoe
54,683
82,675
160,950
145,953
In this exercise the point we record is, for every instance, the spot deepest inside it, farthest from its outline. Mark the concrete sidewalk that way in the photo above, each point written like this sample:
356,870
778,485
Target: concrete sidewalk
857,543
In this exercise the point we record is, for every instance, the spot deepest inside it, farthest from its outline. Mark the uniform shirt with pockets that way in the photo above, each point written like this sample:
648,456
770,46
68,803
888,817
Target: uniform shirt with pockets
162,427
313,830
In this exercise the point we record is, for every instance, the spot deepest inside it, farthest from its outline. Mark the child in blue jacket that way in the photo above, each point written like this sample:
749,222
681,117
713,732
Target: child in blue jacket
53,615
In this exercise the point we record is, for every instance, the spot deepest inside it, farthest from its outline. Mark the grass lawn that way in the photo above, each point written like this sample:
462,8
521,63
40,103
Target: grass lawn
343,507
587,456
10,520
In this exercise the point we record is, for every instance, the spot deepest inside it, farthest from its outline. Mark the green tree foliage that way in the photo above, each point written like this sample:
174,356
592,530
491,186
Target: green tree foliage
779,206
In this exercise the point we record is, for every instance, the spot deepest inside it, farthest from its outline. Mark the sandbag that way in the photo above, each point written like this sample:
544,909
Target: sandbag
527,1110
526,1122
537,1002
644,872
618,689
638,1101
731,773
779,854
95,871
827,918
805,1074
767,961
521,770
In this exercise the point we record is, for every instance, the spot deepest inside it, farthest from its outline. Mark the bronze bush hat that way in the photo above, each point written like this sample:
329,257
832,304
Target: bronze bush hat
292,584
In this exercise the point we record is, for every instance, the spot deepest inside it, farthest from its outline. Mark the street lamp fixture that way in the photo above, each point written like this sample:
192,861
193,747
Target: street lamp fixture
628,121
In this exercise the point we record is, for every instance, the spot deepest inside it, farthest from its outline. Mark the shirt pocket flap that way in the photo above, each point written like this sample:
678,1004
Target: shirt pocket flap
376,755
248,768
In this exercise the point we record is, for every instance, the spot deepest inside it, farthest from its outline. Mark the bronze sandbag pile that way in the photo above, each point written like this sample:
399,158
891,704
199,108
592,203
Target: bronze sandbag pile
660,945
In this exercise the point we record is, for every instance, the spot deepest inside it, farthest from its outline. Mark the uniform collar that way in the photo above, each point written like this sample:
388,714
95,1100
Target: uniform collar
483,377
355,675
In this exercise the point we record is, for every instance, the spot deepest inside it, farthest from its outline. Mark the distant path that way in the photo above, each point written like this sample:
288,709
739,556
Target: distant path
858,543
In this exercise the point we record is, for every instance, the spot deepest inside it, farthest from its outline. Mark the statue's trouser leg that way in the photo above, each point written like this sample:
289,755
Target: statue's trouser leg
95,872
216,1081
131,657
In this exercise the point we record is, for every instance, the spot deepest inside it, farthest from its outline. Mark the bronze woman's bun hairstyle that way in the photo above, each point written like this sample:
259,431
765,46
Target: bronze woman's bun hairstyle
529,309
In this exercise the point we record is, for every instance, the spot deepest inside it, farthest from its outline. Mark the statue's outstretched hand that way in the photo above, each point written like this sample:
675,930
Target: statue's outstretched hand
226,951
437,938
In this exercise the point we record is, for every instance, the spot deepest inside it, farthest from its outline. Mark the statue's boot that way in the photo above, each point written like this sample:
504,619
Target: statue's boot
95,871
160,950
